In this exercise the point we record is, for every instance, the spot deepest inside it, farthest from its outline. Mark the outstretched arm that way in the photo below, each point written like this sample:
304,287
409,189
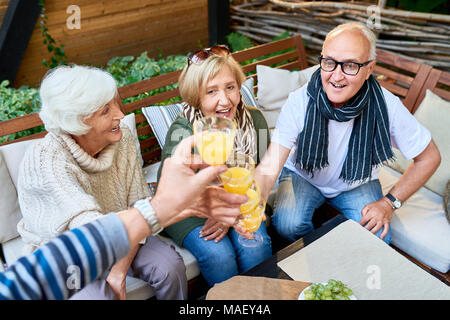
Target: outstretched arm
72,260
269,168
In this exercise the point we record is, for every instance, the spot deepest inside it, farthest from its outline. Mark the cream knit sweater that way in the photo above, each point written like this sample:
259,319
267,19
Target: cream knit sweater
61,187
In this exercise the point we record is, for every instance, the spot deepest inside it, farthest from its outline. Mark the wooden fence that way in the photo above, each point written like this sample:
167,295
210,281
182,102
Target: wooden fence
116,28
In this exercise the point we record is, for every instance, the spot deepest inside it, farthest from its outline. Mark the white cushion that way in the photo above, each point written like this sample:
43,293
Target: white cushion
160,118
130,121
10,213
248,93
420,227
274,87
434,114
13,154
151,172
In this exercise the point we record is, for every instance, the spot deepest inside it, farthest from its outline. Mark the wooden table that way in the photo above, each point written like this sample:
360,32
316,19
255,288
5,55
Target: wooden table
341,249
269,267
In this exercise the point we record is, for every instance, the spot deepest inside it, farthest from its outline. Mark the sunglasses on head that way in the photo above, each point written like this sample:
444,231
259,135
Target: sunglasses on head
199,56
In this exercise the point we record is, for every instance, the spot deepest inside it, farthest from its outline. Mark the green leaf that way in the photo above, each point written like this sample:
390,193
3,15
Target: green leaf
238,41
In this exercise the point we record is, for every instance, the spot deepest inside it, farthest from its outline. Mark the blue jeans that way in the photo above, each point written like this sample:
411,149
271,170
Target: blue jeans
297,199
226,258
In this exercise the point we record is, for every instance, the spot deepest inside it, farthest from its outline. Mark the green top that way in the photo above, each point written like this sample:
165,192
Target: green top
181,128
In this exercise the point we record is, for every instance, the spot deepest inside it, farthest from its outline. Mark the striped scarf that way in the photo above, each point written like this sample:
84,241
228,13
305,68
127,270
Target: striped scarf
370,143
245,140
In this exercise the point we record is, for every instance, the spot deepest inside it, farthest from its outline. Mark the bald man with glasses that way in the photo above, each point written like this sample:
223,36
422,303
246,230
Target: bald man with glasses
332,136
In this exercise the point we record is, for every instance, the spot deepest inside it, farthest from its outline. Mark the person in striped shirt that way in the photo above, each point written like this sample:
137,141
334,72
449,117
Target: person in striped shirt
69,262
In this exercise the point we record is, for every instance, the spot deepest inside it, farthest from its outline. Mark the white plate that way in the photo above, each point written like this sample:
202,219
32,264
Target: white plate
302,294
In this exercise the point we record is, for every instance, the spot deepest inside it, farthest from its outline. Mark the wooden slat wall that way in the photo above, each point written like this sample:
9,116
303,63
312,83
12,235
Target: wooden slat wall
3,6
117,28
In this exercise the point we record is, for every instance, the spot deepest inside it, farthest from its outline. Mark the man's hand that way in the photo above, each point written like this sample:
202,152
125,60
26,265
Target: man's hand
179,187
376,215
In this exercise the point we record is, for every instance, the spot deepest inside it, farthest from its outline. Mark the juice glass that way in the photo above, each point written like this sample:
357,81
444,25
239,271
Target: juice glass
252,213
239,176
214,139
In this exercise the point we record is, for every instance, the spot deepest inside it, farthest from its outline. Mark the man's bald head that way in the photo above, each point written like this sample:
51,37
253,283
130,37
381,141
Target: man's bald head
356,27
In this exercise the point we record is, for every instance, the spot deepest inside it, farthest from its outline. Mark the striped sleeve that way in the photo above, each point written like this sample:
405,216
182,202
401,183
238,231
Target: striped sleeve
69,262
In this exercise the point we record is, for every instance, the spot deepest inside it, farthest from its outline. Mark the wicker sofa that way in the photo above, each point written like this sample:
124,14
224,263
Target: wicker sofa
413,227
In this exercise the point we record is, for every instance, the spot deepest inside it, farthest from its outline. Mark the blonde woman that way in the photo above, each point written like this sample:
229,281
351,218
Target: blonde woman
210,86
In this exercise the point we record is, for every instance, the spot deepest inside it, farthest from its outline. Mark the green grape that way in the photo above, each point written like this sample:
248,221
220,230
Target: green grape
332,290
348,291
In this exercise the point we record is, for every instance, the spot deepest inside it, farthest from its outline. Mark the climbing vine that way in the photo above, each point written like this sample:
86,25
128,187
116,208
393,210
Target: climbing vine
58,55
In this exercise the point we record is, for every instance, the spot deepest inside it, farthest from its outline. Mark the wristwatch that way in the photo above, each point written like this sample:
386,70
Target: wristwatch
145,208
395,202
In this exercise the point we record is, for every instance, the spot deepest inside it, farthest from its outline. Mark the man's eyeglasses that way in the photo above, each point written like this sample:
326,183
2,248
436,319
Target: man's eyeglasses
350,68
199,56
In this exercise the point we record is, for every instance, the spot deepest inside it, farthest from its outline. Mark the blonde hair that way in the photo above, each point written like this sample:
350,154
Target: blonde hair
370,36
195,76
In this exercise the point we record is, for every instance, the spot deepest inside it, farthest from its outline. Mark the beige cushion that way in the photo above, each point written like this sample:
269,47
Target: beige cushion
274,87
10,212
13,154
130,121
419,227
434,114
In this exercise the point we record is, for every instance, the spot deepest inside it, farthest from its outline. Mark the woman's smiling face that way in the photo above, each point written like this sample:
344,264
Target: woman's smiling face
105,123
221,95
346,45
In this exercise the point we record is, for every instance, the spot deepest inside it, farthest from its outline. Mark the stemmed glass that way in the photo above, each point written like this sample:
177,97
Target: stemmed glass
239,179
252,215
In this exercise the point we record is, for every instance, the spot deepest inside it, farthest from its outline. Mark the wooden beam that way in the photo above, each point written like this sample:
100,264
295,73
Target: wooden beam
219,21
17,27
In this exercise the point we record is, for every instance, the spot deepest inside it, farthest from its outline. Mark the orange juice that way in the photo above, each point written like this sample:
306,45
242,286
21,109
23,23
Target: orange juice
253,218
254,198
250,224
215,146
237,180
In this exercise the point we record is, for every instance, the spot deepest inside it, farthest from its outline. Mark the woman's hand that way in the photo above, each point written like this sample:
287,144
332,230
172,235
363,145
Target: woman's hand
213,230
117,281
243,232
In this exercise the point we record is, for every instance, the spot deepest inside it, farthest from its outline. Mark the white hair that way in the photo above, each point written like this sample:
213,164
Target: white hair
364,30
71,94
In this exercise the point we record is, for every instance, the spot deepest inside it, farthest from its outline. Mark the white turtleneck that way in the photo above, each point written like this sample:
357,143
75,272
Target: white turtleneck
61,186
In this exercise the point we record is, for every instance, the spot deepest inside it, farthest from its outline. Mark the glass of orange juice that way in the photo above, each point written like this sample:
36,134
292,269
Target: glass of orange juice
239,176
252,213
214,139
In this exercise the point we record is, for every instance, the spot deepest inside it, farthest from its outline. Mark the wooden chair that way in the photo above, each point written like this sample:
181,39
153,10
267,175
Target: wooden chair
438,82
401,76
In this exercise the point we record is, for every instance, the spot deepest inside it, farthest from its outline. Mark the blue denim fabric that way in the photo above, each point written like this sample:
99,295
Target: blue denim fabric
226,258
297,199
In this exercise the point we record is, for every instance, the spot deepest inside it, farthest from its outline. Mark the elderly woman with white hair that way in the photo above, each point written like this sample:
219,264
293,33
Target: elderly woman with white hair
85,167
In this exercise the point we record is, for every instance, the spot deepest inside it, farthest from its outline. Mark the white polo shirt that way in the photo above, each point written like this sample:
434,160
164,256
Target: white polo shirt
407,135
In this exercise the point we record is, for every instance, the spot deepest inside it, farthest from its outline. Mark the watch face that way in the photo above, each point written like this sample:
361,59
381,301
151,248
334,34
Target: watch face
397,204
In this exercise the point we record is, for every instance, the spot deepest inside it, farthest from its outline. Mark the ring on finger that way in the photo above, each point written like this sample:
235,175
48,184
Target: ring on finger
220,229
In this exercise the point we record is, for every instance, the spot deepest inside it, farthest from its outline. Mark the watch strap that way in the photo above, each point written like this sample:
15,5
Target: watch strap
145,208
391,197
395,202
